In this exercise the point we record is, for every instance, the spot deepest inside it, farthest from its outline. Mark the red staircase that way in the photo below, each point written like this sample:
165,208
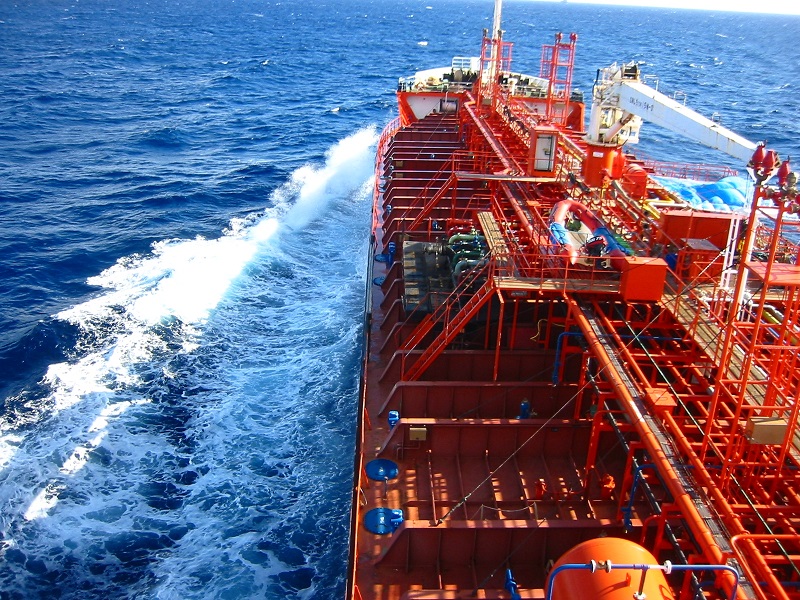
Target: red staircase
452,319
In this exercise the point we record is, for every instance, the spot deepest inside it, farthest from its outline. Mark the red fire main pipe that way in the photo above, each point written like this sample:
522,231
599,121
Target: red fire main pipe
711,550
508,163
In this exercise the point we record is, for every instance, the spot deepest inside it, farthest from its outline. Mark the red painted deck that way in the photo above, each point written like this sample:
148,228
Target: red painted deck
657,413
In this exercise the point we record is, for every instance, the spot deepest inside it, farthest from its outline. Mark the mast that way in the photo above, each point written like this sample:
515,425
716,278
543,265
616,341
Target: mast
494,41
498,11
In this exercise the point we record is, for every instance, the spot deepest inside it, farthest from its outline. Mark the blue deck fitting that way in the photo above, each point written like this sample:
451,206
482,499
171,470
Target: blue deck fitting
381,469
382,520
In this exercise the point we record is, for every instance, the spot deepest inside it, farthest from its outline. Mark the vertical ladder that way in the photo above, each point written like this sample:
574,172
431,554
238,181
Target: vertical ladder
495,60
557,64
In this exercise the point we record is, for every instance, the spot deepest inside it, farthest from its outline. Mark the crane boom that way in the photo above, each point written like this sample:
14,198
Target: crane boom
621,101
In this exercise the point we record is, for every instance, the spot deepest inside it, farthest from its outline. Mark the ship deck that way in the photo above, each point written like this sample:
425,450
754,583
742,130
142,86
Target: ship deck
524,404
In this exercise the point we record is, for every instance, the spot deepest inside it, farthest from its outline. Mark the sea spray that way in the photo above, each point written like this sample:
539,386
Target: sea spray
348,165
132,459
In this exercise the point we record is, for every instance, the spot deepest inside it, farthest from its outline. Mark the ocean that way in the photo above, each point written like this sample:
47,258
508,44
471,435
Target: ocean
185,197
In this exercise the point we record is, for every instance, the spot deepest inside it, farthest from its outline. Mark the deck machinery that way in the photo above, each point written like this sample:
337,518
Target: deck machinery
521,402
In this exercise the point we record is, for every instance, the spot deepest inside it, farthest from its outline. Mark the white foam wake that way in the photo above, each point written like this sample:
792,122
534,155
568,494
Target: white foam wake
176,287
186,279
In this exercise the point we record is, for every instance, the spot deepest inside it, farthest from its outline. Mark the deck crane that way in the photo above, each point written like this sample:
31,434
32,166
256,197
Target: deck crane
620,101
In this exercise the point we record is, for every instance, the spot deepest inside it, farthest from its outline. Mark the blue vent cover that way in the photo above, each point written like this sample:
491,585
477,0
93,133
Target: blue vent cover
382,520
381,469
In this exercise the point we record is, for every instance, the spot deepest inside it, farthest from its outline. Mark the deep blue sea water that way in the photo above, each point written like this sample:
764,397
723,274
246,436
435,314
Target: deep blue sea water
185,207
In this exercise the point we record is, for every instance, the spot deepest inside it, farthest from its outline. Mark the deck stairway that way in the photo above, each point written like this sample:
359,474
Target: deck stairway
451,317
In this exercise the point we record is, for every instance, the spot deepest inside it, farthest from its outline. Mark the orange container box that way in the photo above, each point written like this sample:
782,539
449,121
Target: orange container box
642,279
